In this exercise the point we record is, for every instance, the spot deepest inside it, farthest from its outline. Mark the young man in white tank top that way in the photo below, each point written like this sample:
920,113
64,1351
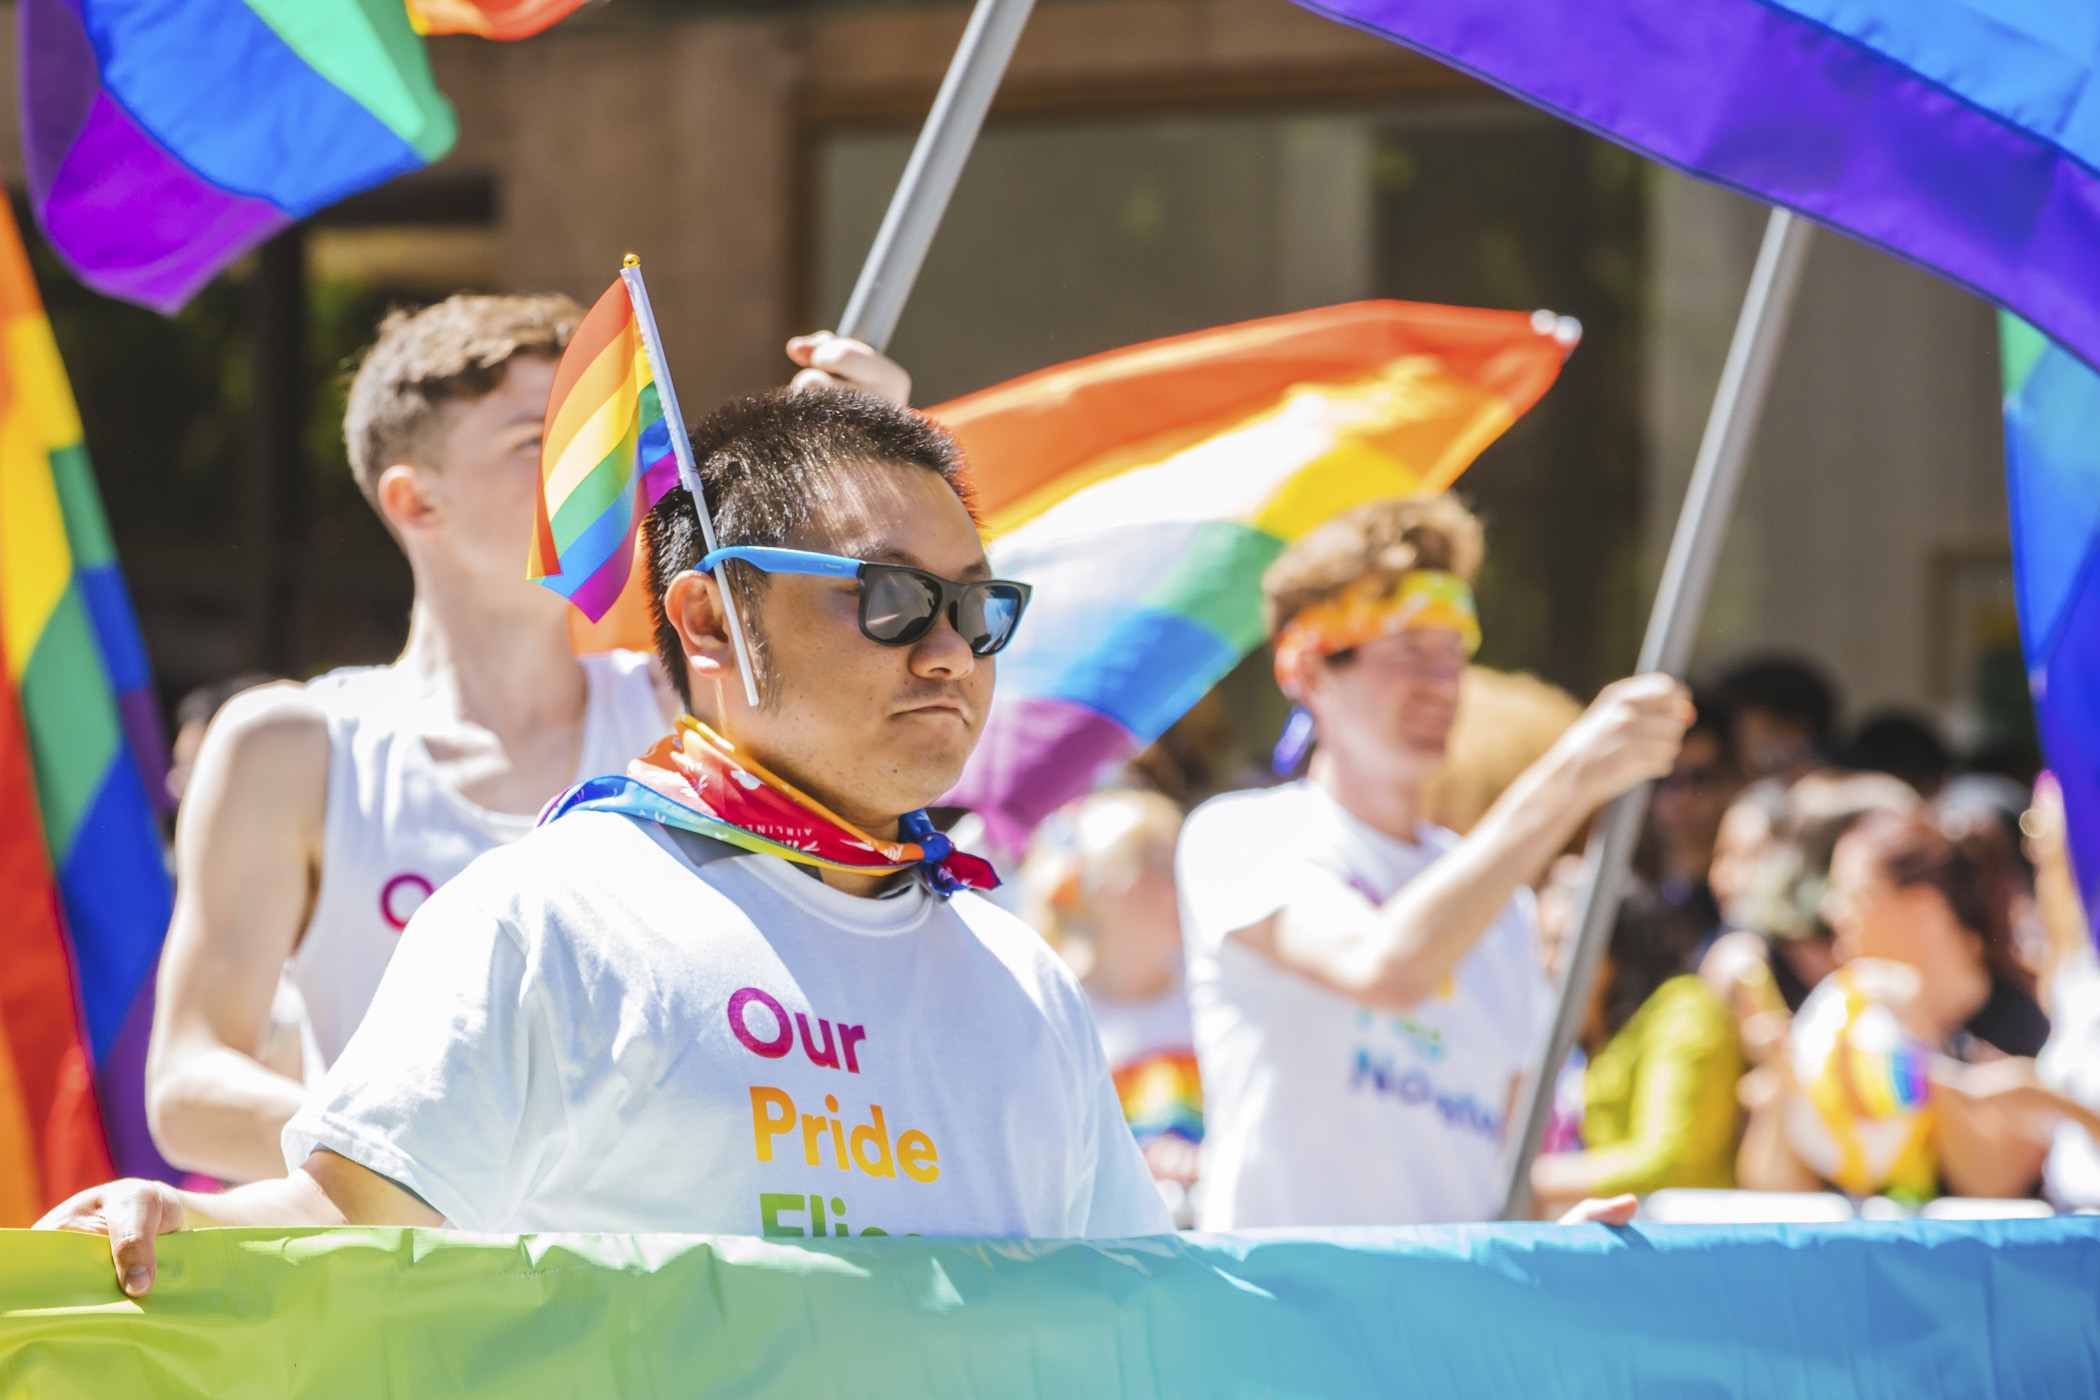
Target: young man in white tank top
322,815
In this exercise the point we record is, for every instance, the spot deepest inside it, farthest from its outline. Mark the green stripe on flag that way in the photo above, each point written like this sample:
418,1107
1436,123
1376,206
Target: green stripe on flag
2020,348
87,529
369,50
599,488
1218,582
71,718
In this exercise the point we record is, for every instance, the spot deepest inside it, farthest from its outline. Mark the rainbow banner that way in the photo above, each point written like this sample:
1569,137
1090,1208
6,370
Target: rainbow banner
1959,135
605,458
1144,491
2052,485
164,140
1492,1312
85,892
491,19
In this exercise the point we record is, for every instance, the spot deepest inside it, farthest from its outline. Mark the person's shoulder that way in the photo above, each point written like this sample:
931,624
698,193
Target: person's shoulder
1031,960
636,673
581,860
1248,812
277,731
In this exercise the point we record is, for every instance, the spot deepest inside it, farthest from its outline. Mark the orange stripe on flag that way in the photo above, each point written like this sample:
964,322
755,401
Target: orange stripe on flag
1141,403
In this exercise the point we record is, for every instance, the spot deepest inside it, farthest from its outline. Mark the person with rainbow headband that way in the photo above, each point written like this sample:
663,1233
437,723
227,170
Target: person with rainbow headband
745,988
1365,985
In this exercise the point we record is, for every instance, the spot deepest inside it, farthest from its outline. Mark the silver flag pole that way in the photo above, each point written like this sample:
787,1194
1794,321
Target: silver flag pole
1673,627
936,163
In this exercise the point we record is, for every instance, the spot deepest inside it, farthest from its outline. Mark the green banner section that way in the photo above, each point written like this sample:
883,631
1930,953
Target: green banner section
1908,1310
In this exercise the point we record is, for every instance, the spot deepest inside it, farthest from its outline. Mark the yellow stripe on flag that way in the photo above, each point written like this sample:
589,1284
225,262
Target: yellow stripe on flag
35,560
611,423
601,380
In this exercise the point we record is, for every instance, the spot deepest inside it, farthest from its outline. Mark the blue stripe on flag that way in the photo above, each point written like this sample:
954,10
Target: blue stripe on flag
116,630
1147,670
117,900
600,540
215,85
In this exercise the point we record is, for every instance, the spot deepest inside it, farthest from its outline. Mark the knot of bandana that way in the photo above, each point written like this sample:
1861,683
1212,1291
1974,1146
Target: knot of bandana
695,780
1423,598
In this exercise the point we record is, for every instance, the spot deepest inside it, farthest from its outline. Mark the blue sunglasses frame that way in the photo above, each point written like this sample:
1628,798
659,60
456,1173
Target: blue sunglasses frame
947,596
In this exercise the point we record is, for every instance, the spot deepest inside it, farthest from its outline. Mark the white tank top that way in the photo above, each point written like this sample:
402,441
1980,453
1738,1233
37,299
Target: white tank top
394,832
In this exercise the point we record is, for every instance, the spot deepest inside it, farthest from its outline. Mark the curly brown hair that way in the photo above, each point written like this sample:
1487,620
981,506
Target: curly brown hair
1379,540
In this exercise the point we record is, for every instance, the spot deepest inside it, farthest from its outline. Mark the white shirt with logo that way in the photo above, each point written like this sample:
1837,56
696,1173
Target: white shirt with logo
1317,1110
609,1026
394,831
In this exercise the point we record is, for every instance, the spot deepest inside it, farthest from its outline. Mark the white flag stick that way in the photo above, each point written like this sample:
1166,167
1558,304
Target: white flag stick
682,448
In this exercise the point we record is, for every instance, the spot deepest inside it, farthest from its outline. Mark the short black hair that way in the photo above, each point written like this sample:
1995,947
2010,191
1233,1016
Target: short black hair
1902,744
764,461
1788,689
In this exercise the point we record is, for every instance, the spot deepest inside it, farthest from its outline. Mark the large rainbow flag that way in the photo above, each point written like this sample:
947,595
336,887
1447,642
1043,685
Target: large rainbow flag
86,895
1144,491
1960,135
605,458
2052,481
164,140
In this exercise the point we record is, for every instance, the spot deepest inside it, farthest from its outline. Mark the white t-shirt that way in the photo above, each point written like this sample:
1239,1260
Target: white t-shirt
1151,1049
1318,1110
608,1026
2070,1064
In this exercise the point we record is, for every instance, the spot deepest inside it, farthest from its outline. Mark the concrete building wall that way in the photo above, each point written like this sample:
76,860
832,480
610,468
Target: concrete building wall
1874,506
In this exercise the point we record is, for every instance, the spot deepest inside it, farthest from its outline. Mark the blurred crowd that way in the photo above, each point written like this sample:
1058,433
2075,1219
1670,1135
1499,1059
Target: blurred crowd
1844,960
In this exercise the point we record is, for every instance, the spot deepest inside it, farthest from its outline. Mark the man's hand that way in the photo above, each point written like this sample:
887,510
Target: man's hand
132,1213
1617,1210
833,362
1630,734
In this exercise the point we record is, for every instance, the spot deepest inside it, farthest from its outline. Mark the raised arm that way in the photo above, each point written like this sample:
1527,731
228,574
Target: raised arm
247,858
1395,954
326,1190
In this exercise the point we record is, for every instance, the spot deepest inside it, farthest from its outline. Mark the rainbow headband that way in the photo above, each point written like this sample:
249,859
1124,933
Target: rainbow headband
1423,598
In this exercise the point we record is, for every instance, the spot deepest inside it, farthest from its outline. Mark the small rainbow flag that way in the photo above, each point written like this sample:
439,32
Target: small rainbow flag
605,458
85,895
1144,491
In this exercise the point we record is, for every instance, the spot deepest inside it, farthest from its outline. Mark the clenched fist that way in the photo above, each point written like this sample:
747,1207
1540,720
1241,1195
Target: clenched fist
1629,735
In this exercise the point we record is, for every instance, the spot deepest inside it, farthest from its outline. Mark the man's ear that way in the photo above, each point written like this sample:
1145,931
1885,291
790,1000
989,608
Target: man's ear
693,606
402,499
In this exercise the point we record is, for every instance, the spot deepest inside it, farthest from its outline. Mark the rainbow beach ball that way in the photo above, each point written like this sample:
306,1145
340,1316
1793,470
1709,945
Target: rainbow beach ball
1862,1116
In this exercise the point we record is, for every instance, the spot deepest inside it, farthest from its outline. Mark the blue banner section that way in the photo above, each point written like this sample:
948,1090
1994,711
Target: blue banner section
2052,483
1912,1310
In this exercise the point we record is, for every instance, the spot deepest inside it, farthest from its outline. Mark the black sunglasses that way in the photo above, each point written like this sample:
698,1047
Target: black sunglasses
899,604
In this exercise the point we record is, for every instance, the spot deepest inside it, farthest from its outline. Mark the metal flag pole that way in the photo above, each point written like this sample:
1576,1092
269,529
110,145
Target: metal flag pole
682,449
936,163
1673,626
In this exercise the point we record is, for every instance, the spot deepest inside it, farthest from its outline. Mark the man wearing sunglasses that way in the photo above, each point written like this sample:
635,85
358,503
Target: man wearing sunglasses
745,988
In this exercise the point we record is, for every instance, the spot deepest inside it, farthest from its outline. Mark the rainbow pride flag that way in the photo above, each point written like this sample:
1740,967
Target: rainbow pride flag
2052,486
1144,491
164,140
491,19
81,880
1959,135
605,458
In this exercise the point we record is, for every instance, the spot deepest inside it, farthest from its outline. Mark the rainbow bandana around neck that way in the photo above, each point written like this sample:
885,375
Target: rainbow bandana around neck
1423,598
695,780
